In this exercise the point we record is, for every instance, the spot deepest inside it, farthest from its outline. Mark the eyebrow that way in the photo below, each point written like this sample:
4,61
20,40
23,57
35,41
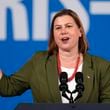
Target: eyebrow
65,24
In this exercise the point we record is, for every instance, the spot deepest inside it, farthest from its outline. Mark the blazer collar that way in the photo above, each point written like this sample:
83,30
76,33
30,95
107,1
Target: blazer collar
52,76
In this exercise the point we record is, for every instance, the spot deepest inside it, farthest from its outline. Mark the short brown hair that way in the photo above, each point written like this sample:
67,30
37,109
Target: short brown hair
82,46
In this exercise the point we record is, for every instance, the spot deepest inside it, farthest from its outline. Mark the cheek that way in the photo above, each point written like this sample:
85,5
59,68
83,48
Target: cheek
56,35
55,38
77,32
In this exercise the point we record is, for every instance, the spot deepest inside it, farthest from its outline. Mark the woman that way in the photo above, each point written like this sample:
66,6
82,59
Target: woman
65,73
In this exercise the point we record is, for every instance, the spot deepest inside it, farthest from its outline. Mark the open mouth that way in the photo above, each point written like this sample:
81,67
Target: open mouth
64,39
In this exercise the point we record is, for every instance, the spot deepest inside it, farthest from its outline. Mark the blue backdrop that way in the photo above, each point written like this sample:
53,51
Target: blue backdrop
24,28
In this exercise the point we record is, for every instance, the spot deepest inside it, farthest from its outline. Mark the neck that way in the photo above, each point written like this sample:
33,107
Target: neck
69,59
71,55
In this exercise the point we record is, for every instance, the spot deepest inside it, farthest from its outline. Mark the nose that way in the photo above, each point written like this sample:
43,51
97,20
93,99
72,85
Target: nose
64,31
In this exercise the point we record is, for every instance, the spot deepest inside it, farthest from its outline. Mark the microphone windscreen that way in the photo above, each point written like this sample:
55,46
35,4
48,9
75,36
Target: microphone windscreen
63,77
79,77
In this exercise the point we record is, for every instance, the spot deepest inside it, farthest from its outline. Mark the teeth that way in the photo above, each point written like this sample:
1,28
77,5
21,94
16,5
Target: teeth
65,38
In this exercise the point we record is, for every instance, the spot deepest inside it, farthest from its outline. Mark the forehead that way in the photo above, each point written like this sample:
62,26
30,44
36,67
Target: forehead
64,19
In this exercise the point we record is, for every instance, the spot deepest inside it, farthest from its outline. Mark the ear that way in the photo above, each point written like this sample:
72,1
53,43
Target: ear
80,32
80,35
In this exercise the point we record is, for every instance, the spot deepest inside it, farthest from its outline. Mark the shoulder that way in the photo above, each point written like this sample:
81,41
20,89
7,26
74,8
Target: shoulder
96,62
95,58
99,65
40,54
38,58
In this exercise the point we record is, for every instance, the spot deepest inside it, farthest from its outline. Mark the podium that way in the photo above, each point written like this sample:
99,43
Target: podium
44,106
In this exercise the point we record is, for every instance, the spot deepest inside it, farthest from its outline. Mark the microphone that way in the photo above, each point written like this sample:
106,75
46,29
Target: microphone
63,80
79,77
63,77
63,86
79,86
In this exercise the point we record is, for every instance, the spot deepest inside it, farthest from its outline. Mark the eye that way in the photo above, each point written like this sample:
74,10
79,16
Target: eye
69,26
57,28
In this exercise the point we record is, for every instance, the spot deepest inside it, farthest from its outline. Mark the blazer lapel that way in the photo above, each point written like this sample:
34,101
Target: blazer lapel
88,75
52,77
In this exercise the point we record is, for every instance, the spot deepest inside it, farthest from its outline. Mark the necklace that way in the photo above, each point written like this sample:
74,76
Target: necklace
76,67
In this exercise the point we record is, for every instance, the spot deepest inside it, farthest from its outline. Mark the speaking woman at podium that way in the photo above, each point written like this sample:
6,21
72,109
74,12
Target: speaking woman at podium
66,72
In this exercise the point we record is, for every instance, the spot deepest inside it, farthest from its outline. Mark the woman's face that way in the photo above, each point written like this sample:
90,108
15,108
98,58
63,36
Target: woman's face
66,33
